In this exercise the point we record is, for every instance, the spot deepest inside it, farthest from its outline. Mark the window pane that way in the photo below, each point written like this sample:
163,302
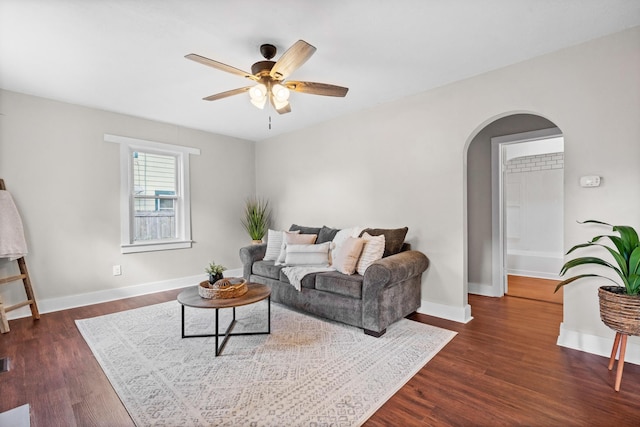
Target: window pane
153,173
154,217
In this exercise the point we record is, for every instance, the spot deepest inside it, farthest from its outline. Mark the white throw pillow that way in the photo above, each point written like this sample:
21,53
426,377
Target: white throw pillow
372,251
312,255
293,238
346,258
274,244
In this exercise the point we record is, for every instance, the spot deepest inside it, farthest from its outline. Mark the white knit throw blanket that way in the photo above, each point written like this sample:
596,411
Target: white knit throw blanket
12,242
296,273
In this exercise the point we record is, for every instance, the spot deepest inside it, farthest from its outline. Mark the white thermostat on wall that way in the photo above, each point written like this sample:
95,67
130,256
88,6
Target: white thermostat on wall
590,181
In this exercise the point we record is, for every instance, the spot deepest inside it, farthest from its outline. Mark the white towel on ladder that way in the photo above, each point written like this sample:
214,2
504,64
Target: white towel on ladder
12,242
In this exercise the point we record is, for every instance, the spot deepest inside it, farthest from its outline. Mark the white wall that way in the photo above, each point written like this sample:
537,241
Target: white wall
402,163
65,181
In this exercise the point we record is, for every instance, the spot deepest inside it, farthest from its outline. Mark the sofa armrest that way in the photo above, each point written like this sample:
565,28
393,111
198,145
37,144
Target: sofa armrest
391,289
249,255
394,269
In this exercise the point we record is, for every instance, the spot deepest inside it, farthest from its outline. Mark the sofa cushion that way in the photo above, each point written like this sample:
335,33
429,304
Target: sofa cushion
304,230
266,269
326,234
341,284
345,258
393,238
308,281
317,255
372,251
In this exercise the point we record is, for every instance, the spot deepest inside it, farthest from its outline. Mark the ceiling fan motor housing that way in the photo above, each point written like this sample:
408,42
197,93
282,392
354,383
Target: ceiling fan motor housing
262,68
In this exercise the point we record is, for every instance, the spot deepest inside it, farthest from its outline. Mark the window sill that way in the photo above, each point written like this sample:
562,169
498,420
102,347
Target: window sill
155,246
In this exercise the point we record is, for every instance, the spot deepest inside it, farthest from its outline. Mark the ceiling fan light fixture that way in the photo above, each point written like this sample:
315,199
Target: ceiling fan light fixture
259,103
258,92
258,95
279,104
280,93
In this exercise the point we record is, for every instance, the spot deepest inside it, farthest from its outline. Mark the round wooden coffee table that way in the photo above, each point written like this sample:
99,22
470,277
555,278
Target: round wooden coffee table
256,292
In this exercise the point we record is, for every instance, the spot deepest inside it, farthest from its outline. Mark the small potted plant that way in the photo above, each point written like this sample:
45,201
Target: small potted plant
619,304
256,218
215,271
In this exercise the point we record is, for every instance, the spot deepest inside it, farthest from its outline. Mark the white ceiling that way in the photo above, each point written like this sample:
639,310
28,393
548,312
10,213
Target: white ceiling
127,56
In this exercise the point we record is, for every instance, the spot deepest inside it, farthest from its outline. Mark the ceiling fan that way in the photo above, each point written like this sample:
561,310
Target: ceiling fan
270,76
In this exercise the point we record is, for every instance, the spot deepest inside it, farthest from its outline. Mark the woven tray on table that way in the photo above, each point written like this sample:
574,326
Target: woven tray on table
232,287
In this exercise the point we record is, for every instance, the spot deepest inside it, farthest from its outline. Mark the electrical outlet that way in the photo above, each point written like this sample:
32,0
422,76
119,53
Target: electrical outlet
117,270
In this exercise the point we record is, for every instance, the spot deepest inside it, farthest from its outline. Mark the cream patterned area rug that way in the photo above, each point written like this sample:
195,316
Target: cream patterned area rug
307,372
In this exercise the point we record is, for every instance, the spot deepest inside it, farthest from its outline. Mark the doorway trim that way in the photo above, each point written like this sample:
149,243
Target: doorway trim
498,256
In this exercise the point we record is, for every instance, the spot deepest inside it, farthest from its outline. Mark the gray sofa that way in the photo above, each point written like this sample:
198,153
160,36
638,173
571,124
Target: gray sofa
388,291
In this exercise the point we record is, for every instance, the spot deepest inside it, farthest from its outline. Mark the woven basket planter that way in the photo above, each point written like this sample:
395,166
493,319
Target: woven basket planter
619,311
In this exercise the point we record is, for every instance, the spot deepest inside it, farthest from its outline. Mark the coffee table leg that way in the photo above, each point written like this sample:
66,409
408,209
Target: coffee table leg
217,334
182,320
269,315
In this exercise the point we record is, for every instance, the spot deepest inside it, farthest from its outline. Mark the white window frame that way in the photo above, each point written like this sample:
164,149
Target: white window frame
182,203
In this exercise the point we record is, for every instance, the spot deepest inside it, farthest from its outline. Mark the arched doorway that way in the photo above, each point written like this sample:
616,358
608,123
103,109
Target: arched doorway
520,251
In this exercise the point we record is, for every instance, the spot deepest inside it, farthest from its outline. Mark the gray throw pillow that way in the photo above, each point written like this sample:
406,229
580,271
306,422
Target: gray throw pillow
326,234
393,238
304,230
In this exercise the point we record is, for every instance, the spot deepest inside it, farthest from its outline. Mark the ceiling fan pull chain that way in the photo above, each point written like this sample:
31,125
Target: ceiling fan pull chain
269,122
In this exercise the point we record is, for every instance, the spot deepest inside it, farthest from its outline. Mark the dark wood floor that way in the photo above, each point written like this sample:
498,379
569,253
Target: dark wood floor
503,368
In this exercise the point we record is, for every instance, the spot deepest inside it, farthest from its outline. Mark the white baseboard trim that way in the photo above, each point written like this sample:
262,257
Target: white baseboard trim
449,312
595,344
483,289
80,300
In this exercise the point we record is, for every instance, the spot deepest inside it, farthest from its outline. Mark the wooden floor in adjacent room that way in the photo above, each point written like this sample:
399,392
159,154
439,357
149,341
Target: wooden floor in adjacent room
534,288
503,368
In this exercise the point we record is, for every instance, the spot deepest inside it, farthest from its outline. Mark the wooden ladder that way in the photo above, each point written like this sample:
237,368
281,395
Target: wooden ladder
24,277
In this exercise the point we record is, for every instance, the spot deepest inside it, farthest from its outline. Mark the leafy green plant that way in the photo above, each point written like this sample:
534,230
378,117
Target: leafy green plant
256,218
214,268
626,255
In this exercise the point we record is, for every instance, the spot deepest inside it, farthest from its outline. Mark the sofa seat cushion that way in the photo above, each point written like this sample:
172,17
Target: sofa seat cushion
341,284
267,269
308,281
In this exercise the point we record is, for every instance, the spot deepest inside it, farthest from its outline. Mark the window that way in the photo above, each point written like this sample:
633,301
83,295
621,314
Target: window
154,195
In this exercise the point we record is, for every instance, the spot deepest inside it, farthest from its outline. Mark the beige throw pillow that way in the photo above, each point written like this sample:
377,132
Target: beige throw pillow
372,251
346,258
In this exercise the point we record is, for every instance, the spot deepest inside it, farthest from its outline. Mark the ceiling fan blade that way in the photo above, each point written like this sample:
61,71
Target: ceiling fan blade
220,66
317,88
284,110
292,59
227,93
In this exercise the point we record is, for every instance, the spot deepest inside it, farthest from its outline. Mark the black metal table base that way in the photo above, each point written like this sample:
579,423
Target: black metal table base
228,332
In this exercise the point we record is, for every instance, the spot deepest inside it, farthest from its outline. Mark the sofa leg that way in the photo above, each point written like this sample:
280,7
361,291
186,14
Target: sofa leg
374,333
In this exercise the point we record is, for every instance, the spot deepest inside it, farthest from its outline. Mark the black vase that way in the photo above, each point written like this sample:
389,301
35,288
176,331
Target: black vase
213,278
